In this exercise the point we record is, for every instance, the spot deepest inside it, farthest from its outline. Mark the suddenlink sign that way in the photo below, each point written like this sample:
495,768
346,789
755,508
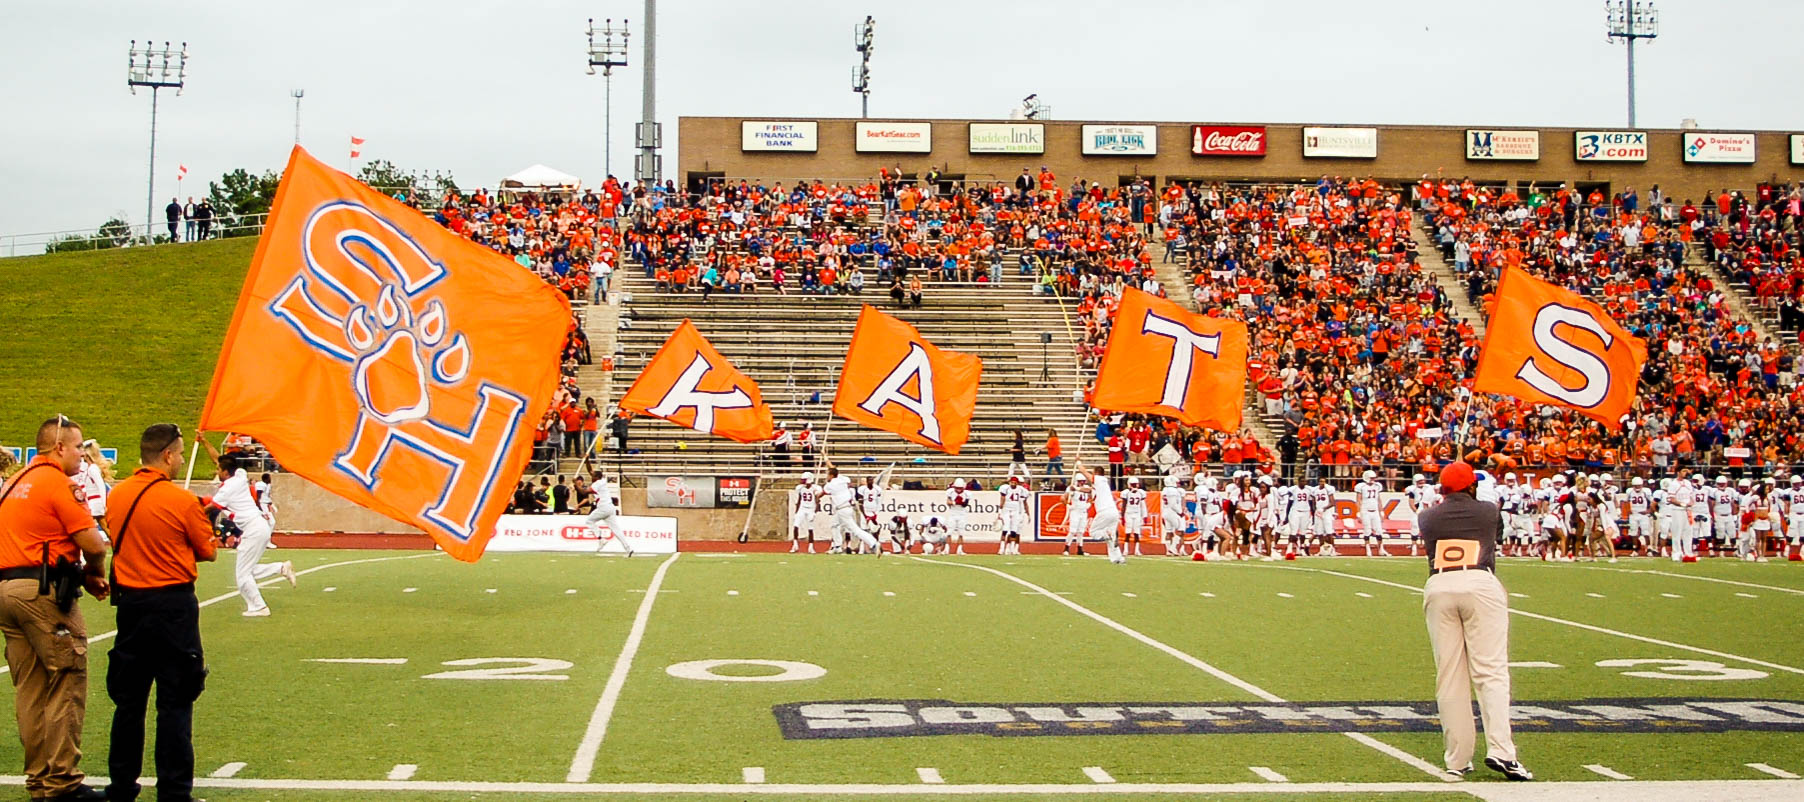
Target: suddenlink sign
900,718
1008,138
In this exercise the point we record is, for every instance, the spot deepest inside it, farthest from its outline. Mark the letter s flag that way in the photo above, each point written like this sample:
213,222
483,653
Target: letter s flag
388,359
1547,345
690,384
1166,361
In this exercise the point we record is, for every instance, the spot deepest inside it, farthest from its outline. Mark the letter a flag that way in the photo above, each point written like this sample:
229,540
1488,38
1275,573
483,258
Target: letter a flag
1547,345
388,359
690,384
1166,361
896,381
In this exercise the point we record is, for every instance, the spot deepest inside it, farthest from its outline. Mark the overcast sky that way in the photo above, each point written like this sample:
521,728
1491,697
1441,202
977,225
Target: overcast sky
485,88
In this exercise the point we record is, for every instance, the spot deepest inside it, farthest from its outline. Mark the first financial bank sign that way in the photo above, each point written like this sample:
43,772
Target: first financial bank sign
798,136
910,717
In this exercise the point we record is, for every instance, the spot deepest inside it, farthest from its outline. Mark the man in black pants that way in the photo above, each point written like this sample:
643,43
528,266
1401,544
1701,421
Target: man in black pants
158,535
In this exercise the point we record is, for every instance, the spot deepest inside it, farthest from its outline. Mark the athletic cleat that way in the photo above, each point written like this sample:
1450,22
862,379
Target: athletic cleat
1510,769
288,573
261,612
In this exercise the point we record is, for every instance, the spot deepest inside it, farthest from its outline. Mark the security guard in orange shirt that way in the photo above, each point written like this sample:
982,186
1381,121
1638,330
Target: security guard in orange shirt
49,550
159,533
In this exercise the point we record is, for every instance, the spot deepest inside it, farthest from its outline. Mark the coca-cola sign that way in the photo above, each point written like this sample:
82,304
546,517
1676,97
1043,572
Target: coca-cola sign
1227,140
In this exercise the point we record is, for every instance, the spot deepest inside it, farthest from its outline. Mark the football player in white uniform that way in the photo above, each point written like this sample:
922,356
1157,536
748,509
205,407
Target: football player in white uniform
958,505
1641,519
1371,515
1105,522
1133,514
845,521
900,534
606,513
1208,518
1077,515
1552,502
1171,515
1609,511
1420,495
801,513
1321,515
1694,515
1794,518
934,534
1016,499
1725,515
870,503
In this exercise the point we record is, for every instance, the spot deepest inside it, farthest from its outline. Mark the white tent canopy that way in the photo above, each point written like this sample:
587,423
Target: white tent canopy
539,178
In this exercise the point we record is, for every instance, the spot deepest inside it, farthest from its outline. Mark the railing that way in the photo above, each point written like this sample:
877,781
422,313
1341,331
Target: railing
124,236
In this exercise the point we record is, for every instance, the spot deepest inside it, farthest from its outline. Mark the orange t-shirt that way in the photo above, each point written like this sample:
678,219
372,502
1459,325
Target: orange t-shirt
43,507
166,534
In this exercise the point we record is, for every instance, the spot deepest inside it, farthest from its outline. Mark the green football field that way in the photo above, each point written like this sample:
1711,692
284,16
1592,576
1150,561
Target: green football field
408,676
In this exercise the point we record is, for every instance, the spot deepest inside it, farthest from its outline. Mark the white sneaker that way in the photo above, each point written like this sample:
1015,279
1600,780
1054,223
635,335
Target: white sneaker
261,612
961,549
794,547
288,573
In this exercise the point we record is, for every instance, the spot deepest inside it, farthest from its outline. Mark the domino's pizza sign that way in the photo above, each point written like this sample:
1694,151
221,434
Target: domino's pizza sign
1710,148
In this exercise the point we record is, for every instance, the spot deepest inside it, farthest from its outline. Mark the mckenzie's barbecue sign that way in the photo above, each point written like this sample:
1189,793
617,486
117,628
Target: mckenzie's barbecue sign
910,717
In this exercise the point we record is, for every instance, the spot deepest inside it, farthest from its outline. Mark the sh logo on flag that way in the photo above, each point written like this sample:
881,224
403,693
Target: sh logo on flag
365,298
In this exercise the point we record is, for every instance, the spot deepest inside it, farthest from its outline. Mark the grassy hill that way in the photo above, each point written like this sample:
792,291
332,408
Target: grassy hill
115,339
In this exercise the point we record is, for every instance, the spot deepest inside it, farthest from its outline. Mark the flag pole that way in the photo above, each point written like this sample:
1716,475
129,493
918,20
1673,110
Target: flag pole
193,454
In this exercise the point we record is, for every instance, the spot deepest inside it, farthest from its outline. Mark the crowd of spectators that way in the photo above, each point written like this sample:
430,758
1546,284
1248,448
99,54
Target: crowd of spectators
1714,391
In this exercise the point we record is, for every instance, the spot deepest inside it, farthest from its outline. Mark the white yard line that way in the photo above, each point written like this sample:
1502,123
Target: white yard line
1268,775
1636,790
1606,771
403,771
228,770
583,764
752,774
1194,662
1604,630
931,776
1765,769
1778,588
104,636
1097,775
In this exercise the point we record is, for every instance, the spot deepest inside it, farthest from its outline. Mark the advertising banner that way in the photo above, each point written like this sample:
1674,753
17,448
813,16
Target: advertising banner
800,136
1121,140
1707,148
699,492
1340,143
880,137
1797,148
644,534
1227,140
983,520
1486,145
1008,138
1609,146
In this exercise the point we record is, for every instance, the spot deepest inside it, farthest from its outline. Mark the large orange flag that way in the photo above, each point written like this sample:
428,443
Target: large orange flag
690,384
1166,361
897,381
1548,345
388,359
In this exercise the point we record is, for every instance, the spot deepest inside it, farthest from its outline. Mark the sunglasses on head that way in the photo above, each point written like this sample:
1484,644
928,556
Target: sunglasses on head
172,438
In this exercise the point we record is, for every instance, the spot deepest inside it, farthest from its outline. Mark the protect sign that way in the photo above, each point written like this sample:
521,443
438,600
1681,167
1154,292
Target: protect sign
643,533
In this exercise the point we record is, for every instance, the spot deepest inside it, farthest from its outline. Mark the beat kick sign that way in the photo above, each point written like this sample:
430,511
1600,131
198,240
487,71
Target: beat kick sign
1547,345
897,381
1163,360
671,387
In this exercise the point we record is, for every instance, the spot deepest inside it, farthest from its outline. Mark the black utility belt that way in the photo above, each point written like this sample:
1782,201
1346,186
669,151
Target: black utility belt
1433,571
22,572
122,593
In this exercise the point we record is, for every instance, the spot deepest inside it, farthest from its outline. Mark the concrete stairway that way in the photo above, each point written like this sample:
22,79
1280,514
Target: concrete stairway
793,345
1429,252
1741,298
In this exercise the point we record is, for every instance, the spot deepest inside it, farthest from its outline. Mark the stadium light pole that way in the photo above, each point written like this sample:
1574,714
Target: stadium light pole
1629,20
864,41
649,136
165,68
607,57
298,94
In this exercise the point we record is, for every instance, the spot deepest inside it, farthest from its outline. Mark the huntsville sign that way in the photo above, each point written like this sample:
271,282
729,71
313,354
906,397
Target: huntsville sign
893,718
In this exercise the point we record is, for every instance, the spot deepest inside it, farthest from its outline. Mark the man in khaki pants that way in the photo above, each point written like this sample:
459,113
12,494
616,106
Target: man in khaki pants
1468,624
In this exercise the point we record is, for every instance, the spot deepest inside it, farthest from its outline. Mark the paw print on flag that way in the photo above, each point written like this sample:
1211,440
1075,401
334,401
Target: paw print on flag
361,299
